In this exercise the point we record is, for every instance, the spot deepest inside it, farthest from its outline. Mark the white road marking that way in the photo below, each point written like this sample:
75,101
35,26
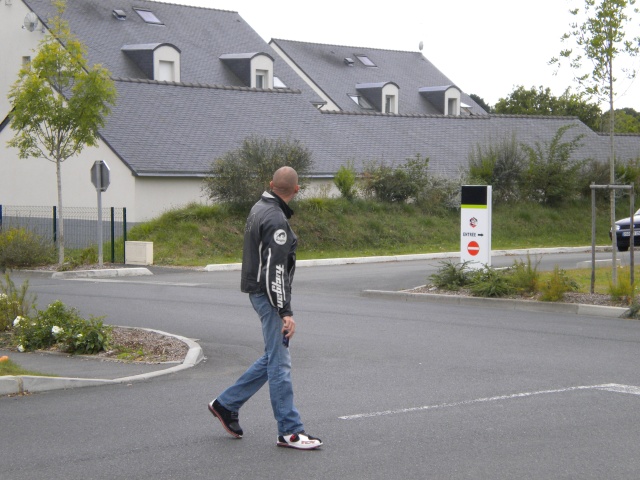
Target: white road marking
609,387
137,282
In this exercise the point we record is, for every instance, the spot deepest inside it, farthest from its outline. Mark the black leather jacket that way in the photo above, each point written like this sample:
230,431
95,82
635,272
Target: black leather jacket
269,252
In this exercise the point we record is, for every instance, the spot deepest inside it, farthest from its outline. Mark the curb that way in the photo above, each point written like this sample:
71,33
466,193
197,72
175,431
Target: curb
503,303
107,272
20,384
226,267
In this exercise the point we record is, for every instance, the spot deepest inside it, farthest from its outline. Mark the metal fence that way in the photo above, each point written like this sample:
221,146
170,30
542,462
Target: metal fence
80,226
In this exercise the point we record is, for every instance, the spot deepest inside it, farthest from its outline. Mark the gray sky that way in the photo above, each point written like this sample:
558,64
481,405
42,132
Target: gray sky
485,47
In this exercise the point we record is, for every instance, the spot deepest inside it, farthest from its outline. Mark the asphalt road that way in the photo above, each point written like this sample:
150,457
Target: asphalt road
395,389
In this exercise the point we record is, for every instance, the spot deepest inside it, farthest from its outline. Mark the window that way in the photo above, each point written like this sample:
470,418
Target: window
261,79
148,16
452,106
390,104
166,71
277,83
361,102
26,61
366,61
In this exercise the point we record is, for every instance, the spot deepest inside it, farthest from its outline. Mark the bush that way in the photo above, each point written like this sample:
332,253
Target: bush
345,181
500,165
623,290
21,248
451,276
559,284
440,195
552,176
14,302
64,326
240,176
524,276
489,282
389,184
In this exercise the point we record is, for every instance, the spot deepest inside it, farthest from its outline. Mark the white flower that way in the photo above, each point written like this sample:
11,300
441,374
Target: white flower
17,321
79,335
20,348
3,296
56,330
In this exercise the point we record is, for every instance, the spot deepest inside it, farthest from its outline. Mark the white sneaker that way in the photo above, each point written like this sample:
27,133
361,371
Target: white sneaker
301,441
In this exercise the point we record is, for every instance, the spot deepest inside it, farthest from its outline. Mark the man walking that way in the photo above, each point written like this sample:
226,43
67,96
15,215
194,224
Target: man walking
268,265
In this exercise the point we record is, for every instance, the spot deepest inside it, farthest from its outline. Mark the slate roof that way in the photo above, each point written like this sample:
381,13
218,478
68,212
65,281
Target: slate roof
326,65
201,34
208,121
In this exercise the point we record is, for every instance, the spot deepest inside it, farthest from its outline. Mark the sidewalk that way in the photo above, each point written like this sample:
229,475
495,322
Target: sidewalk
85,370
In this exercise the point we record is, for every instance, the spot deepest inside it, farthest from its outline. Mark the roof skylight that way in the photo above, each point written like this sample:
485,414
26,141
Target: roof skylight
366,61
148,16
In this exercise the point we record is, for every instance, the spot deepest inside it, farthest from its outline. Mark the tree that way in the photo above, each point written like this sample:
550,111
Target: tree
552,176
627,120
240,176
541,101
59,103
601,39
480,101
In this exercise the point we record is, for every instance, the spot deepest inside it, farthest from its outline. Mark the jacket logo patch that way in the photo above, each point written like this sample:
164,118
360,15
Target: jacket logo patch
277,286
280,237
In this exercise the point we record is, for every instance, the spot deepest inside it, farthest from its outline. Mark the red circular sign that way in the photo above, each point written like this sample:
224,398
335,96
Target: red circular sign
473,248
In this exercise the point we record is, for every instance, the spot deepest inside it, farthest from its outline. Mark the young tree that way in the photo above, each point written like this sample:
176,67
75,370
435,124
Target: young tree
600,37
59,103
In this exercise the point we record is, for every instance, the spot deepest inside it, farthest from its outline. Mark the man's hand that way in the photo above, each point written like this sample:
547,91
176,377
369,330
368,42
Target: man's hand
288,324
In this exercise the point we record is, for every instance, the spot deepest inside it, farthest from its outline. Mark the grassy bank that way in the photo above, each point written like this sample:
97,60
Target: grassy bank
327,228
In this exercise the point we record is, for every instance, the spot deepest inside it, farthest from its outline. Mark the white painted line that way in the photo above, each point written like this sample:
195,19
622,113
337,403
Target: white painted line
137,282
610,387
614,387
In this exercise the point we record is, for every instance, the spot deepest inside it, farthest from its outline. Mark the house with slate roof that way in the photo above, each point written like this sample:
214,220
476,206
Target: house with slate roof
194,82
358,79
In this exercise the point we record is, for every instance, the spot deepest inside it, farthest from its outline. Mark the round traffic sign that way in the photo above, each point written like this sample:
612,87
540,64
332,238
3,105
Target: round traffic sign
473,248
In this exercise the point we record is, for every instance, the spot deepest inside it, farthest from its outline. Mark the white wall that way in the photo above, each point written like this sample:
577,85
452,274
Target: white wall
166,53
155,195
452,94
262,62
32,181
16,43
390,89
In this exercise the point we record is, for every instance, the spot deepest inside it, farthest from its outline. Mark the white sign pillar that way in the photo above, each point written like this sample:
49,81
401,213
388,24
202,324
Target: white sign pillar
475,225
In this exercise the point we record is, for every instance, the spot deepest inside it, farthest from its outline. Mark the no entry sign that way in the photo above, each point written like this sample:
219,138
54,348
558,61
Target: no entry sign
475,225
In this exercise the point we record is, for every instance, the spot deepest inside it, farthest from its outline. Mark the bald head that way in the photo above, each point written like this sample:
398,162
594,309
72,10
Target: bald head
285,183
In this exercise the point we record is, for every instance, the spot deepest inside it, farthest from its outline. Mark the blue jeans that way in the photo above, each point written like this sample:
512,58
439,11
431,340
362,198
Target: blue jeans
274,366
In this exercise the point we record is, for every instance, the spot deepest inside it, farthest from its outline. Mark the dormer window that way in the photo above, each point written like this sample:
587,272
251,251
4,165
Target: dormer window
255,69
148,16
383,96
390,104
261,78
446,99
158,61
366,61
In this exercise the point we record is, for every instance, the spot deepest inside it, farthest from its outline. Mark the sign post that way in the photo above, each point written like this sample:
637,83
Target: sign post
475,225
100,179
